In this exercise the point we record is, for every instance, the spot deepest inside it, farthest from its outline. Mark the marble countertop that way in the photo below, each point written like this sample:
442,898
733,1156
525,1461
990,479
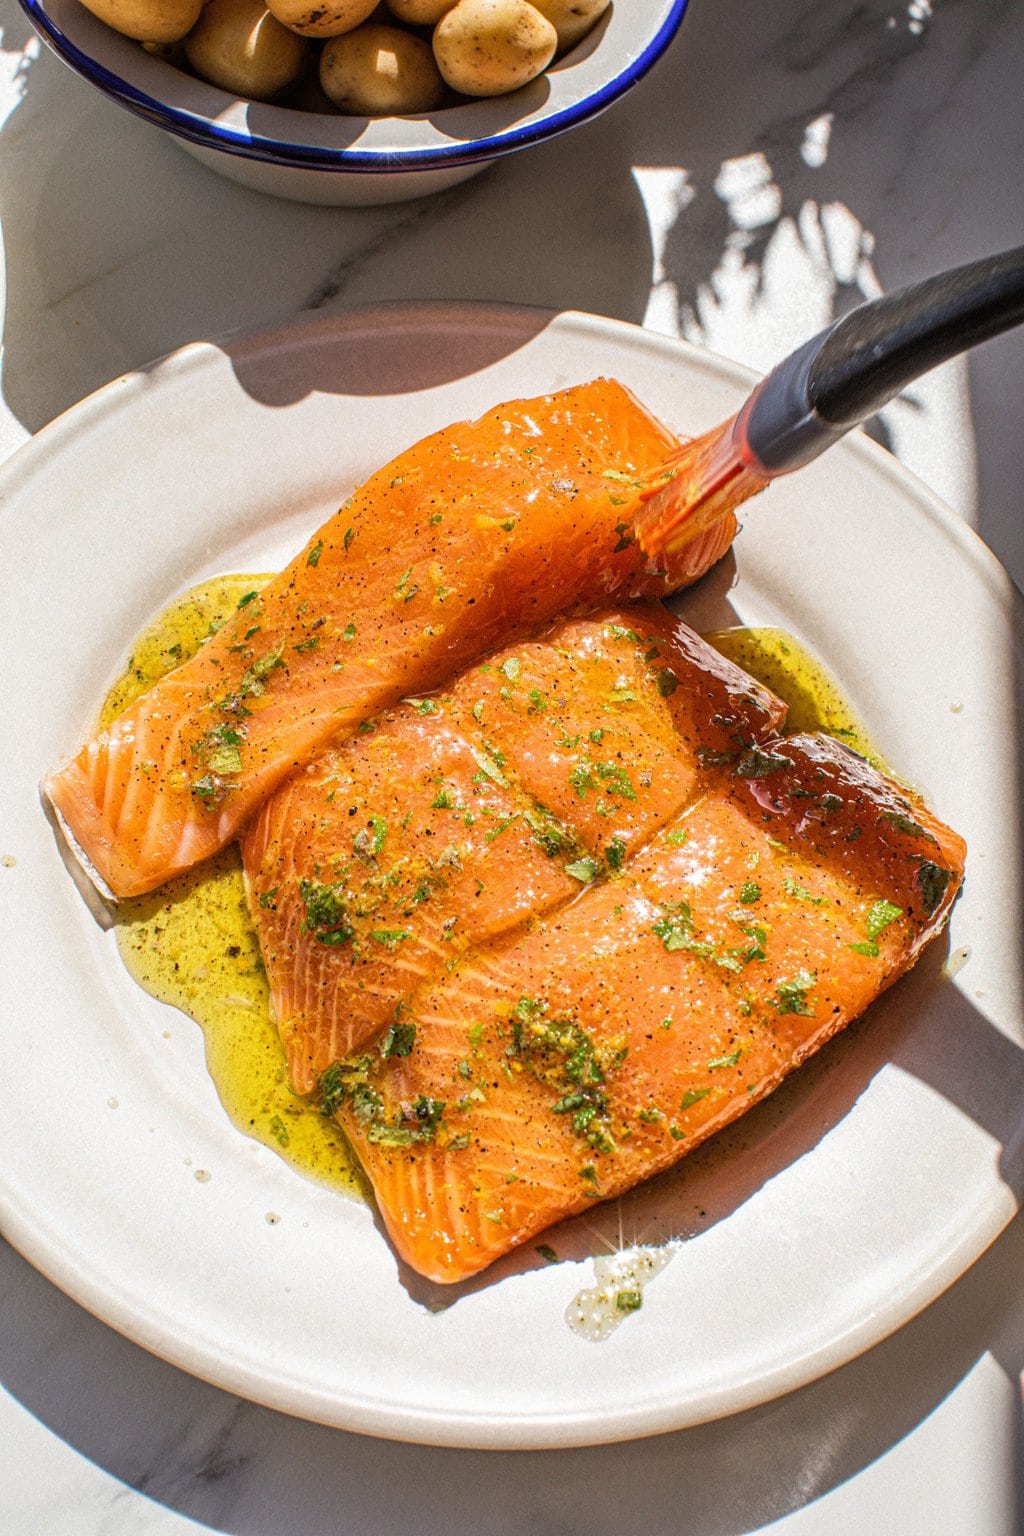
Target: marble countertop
780,163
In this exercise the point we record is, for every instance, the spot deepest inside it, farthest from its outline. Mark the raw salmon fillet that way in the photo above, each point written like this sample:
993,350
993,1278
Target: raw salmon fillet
568,1061
533,938
457,817
480,532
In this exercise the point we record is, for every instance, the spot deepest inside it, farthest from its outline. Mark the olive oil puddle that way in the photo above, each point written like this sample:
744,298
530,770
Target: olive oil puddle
192,944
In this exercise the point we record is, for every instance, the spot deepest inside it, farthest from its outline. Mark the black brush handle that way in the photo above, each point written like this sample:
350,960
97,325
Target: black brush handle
847,373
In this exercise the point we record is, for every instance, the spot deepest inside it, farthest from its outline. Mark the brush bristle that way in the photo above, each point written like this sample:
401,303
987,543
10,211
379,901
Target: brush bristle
701,485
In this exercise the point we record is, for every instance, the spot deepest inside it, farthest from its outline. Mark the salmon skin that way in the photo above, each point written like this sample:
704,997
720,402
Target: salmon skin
550,1025
480,532
457,817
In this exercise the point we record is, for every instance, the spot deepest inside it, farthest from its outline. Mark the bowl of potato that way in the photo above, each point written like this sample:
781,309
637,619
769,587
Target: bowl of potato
353,102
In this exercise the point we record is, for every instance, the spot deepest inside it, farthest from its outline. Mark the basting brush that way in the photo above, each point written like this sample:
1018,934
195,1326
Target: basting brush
820,392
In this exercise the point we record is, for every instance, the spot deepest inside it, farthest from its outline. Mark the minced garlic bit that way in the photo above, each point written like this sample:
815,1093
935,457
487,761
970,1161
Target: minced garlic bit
595,1313
956,961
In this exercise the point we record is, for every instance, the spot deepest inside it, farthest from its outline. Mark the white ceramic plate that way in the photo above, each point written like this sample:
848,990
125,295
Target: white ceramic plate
825,1220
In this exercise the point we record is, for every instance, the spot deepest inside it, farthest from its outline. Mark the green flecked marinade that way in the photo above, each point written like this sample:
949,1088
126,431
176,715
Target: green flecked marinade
192,944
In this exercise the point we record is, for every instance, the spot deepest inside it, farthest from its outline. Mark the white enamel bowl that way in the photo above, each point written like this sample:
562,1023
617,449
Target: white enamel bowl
311,157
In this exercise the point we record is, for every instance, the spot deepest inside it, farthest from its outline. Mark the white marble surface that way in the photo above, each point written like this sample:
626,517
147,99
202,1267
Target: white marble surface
780,162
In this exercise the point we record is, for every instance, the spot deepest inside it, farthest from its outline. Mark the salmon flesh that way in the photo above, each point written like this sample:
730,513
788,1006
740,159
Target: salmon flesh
533,938
481,532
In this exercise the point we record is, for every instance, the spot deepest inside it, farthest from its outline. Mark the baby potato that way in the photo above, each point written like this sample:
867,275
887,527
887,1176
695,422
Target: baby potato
321,18
239,46
148,21
419,13
487,47
380,71
571,19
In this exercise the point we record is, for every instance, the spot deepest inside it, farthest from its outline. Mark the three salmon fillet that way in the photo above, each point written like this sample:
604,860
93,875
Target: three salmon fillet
535,924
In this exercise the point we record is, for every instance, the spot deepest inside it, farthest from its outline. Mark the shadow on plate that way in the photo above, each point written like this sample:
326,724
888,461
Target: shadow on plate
380,350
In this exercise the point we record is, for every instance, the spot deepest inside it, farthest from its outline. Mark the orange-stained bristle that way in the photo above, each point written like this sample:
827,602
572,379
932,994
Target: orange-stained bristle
703,483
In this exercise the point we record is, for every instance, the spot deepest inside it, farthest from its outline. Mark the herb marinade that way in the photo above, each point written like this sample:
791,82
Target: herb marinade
192,944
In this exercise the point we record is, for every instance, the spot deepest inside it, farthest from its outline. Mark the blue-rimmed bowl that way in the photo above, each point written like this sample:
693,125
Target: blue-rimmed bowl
312,157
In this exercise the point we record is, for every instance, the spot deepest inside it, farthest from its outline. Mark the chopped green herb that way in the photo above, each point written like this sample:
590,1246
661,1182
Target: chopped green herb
750,892
246,599
692,1095
906,824
399,1040
333,1086
390,937
667,682
677,837
405,588
615,780
350,534
210,789
564,1057
279,1130
675,930
511,667
629,1301
755,764
254,678
800,892
932,882
583,869
791,996
615,853
547,1253
581,778
490,766
882,914
313,558
729,1060
326,915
